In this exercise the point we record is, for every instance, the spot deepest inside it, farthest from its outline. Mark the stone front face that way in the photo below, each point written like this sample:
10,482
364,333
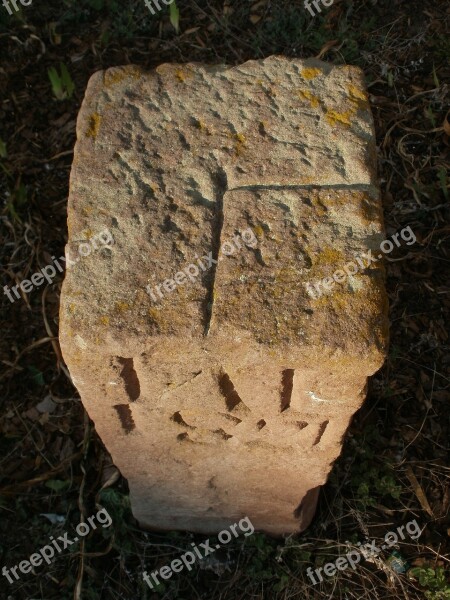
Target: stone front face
228,393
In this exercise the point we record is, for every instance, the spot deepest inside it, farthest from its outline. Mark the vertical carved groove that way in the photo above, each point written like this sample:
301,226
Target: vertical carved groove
287,384
125,416
227,390
322,429
220,185
130,378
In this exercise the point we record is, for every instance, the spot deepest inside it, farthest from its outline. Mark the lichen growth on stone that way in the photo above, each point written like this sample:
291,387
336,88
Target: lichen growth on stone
240,143
94,125
180,75
114,76
333,117
306,95
310,73
122,306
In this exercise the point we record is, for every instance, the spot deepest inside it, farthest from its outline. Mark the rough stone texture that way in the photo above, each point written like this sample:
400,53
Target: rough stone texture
230,397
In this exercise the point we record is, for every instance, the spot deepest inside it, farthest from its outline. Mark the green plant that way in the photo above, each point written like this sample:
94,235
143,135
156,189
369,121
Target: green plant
433,579
118,506
62,84
371,479
260,567
175,16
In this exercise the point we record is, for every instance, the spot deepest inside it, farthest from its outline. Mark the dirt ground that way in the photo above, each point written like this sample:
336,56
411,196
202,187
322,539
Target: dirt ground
54,471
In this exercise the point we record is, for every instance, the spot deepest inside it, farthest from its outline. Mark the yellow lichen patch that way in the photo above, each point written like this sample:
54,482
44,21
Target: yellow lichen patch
180,75
122,306
310,73
329,256
94,125
183,74
334,117
104,320
358,97
117,75
154,313
240,143
203,127
306,95
357,93
259,231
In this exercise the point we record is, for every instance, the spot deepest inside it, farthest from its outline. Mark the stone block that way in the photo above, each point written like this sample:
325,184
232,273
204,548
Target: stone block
220,386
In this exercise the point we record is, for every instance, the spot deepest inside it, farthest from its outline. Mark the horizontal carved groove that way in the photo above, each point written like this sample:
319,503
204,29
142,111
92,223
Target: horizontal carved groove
231,418
302,424
125,416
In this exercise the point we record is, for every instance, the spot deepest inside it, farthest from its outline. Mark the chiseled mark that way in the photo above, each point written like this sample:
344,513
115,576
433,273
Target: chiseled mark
232,418
125,416
130,378
228,391
223,434
172,387
177,418
260,424
316,398
302,424
287,385
322,429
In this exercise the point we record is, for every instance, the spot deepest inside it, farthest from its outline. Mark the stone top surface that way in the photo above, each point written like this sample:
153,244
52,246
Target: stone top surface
177,161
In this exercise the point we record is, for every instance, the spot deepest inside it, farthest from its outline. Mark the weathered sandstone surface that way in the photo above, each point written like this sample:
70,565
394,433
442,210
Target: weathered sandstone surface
230,395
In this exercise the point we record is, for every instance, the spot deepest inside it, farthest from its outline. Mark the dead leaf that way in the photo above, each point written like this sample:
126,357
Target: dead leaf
417,488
